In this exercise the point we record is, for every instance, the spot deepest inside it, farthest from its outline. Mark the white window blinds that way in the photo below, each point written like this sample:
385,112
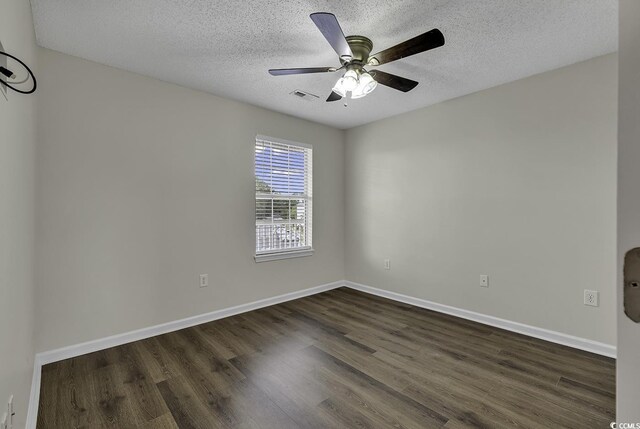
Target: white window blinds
283,173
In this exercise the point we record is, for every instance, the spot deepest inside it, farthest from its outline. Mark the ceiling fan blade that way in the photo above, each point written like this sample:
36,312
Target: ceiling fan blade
282,72
392,81
424,42
330,29
334,97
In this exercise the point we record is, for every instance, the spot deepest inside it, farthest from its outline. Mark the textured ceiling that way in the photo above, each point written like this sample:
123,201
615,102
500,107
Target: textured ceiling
226,47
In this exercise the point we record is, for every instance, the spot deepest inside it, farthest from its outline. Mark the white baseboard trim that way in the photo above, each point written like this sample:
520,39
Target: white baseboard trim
63,353
532,331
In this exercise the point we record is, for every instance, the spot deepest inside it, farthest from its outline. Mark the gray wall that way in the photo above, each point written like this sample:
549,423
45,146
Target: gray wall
17,160
628,380
144,185
517,182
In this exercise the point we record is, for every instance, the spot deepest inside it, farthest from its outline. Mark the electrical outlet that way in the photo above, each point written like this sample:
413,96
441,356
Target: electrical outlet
484,280
387,264
591,297
204,280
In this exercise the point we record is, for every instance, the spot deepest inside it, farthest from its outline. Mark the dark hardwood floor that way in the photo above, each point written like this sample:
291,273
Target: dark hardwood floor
338,359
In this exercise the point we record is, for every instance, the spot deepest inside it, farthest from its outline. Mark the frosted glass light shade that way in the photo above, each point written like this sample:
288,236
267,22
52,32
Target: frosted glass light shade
338,88
365,86
350,80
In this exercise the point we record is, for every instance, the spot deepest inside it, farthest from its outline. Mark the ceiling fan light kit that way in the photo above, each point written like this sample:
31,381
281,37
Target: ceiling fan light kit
354,54
358,84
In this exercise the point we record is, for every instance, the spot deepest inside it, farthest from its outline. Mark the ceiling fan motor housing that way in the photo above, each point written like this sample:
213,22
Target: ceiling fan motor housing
360,47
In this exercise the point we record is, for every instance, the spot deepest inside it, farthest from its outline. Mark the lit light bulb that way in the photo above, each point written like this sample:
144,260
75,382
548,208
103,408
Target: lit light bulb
350,80
365,86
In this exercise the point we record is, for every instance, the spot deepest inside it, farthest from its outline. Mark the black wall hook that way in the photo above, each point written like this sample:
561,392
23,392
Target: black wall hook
9,74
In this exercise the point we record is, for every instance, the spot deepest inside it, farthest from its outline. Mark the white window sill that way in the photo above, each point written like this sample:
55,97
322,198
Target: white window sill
265,257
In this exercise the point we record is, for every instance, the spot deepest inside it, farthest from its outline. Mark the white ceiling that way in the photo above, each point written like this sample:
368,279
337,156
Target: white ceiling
226,47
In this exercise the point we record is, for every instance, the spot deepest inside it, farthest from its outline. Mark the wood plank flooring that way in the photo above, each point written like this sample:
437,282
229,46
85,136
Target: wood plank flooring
340,359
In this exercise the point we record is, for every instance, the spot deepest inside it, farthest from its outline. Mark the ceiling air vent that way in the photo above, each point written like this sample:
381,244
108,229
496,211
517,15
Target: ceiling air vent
304,95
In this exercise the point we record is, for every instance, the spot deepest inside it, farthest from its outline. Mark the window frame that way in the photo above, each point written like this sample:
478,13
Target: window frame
302,251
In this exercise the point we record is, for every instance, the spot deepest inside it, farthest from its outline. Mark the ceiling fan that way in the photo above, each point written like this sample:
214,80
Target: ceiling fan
354,53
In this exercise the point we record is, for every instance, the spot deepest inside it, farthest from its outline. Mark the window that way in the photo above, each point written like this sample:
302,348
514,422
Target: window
283,173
